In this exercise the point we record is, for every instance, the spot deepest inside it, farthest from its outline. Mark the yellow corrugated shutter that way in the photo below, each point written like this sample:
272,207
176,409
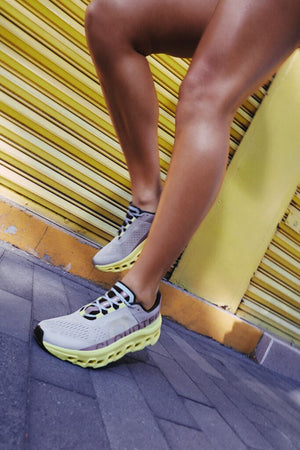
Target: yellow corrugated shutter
59,149
272,300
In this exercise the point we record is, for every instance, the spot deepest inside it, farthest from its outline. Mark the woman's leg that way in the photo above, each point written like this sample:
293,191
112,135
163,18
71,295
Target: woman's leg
119,35
242,45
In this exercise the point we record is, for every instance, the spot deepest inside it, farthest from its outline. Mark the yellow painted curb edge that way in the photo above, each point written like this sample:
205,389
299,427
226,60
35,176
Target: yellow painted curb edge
60,247
50,242
209,320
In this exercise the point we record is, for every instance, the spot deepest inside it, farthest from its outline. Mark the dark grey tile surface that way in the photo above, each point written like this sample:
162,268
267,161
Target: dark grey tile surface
276,437
77,295
49,296
47,368
283,359
179,379
129,421
14,373
160,396
180,437
185,392
15,315
217,430
16,275
1,252
63,419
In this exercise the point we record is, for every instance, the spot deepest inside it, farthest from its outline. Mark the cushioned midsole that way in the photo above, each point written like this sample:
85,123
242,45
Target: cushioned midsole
101,357
124,263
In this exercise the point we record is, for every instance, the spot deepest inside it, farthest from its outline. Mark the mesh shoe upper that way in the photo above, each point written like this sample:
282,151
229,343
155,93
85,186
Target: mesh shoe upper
100,323
133,231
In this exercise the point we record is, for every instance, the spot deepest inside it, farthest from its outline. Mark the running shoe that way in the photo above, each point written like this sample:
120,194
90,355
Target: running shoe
102,331
122,252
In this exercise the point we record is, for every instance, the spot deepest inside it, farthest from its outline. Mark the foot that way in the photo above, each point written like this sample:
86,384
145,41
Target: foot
122,252
102,331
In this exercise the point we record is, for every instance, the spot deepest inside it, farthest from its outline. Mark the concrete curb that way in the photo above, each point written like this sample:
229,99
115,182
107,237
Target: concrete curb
278,356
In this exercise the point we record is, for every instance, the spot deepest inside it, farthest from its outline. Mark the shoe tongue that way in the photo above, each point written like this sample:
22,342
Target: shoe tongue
126,293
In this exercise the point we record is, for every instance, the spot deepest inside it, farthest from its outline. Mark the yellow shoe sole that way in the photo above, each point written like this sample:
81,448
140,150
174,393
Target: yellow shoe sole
99,358
123,264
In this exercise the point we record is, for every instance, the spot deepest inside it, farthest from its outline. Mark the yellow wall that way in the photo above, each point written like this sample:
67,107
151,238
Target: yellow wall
262,178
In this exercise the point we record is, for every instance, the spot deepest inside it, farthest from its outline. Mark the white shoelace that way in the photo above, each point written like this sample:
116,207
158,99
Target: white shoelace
104,303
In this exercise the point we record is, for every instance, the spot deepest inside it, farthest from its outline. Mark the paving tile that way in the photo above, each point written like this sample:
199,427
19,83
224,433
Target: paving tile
205,345
282,358
13,391
195,356
78,280
47,368
129,421
119,367
160,396
276,383
209,351
293,398
274,380
261,396
180,437
49,296
79,295
282,422
233,415
276,438
15,315
218,432
185,352
248,369
269,399
47,278
158,348
178,378
243,403
242,426
96,291
61,419
144,356
220,367
16,275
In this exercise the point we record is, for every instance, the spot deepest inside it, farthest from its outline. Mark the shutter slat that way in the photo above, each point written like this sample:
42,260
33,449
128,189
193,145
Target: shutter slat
56,125
272,299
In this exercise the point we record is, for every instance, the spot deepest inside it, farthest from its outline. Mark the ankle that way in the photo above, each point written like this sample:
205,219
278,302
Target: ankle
145,296
148,201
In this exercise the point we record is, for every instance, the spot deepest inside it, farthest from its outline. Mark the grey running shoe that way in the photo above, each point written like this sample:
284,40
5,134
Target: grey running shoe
102,331
122,252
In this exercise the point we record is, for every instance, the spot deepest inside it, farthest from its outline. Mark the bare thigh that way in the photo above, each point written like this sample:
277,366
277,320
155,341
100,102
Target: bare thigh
244,43
158,26
235,44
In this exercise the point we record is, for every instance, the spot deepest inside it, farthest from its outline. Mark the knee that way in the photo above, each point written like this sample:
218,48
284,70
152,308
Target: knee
205,92
103,23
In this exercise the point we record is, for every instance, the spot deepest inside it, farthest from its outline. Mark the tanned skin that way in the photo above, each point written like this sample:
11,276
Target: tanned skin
235,46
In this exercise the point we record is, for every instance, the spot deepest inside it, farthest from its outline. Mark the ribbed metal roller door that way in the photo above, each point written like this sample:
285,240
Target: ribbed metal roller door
59,149
272,300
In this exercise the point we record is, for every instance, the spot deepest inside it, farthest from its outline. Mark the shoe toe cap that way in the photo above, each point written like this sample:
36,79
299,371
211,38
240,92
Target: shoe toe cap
108,254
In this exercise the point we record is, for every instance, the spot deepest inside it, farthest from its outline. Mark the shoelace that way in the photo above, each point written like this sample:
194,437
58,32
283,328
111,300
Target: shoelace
132,213
103,304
